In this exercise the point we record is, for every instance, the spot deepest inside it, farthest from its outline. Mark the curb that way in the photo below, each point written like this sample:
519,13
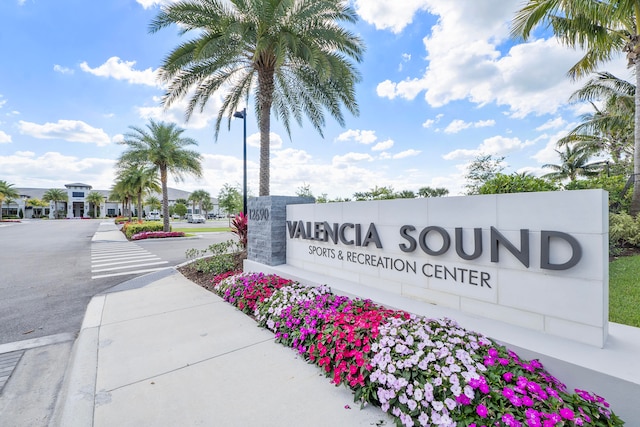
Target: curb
76,400
75,403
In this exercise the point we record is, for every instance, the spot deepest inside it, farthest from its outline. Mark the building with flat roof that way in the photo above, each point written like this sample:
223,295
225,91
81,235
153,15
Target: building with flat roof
77,206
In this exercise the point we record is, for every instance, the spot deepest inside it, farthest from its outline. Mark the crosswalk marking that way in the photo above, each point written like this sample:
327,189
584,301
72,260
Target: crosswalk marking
122,258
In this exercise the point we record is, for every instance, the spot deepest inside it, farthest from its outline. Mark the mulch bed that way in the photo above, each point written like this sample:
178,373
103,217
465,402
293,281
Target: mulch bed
197,277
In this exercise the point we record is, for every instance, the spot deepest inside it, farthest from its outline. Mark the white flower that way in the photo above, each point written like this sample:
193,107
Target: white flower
456,390
451,404
437,405
468,391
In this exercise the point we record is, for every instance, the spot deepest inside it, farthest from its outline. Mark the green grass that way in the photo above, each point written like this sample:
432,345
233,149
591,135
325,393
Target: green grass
201,230
624,291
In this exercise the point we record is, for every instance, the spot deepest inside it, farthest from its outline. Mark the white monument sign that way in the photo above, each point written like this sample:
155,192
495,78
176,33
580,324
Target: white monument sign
536,260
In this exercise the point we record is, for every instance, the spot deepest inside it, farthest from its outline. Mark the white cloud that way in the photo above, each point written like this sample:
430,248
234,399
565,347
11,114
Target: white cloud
458,125
407,153
2,102
123,70
275,141
4,138
68,130
407,89
484,123
63,70
558,122
21,2
389,15
116,139
549,154
351,158
54,169
176,112
465,59
496,146
430,122
360,136
406,57
384,145
291,157
147,4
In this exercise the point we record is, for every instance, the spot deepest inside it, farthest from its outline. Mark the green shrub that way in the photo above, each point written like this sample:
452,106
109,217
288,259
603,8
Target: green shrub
125,219
624,230
612,184
516,183
131,228
218,258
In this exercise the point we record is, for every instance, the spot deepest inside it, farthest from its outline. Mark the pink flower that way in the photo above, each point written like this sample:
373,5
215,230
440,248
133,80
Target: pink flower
481,410
567,413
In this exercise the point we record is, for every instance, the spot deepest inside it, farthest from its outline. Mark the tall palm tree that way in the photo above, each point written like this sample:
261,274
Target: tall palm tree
37,206
153,202
574,163
293,53
140,180
95,198
120,193
602,28
609,128
206,206
162,146
55,195
197,197
6,192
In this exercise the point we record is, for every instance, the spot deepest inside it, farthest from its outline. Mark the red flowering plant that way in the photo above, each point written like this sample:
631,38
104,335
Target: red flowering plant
343,345
421,371
156,235
239,228
246,290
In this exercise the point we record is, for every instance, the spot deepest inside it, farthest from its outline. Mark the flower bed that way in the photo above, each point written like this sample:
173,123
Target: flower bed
156,235
422,371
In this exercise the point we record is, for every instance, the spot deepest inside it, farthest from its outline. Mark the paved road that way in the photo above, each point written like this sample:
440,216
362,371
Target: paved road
47,277
49,270
44,277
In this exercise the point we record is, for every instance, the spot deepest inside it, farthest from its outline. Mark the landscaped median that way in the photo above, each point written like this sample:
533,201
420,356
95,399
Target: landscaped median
422,371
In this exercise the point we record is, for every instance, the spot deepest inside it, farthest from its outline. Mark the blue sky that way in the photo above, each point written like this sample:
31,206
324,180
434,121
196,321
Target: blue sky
442,83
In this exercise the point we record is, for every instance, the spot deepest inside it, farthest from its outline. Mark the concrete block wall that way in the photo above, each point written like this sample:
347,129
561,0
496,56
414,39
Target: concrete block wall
266,235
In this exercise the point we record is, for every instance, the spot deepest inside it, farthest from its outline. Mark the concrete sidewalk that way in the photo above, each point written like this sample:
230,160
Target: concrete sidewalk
162,351
108,231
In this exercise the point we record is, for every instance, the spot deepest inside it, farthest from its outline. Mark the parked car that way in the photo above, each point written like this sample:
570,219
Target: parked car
154,216
196,218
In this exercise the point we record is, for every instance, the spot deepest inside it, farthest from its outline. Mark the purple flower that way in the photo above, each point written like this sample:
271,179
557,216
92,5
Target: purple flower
567,413
507,376
508,392
482,411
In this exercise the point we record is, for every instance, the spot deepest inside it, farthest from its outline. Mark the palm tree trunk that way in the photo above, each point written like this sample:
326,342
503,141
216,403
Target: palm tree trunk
165,199
139,206
265,99
634,209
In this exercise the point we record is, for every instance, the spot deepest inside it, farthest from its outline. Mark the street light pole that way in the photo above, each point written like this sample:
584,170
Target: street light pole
243,115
